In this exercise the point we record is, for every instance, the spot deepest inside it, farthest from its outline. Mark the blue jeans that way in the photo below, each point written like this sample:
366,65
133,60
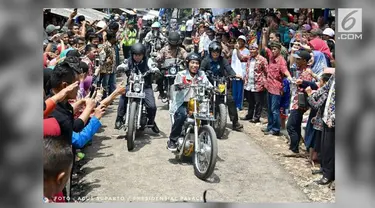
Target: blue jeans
237,90
108,82
179,119
273,110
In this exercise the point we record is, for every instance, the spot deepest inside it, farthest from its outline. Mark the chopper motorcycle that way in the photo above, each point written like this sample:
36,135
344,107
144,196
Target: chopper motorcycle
198,139
136,113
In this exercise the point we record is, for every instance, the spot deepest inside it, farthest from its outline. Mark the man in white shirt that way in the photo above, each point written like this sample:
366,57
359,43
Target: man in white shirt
189,26
205,41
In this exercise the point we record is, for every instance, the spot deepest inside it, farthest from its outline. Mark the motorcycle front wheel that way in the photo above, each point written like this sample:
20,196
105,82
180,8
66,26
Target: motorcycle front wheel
132,125
205,162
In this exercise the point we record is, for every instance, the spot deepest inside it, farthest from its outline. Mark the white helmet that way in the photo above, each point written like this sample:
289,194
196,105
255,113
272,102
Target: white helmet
329,32
101,24
155,25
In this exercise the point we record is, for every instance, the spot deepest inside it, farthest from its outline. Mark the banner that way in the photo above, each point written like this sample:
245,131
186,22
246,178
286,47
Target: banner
220,11
161,11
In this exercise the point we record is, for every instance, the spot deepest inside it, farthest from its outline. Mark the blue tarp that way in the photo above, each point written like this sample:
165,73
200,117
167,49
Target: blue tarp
220,11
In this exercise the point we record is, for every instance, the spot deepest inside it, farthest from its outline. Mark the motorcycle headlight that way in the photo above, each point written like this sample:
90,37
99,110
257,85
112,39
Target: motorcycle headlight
173,71
203,108
221,88
137,87
136,78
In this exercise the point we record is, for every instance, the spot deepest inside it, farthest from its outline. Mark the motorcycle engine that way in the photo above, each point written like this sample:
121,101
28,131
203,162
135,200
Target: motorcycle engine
189,147
179,142
143,119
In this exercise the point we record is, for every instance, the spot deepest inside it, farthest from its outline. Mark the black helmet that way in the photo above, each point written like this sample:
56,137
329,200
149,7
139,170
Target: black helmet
138,48
192,56
215,46
174,38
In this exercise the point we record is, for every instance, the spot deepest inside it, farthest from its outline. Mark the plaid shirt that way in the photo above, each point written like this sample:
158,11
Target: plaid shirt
260,71
276,68
305,76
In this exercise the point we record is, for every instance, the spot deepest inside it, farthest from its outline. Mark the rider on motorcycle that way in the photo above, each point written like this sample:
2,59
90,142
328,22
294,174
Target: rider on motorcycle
164,22
138,61
183,95
172,50
219,66
155,31
145,29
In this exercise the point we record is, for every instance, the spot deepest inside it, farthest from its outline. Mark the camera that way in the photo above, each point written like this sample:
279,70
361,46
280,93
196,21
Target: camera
97,62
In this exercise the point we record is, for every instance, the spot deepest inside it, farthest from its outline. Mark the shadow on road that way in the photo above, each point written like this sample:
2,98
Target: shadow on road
213,178
80,187
140,141
226,133
85,171
189,161
83,188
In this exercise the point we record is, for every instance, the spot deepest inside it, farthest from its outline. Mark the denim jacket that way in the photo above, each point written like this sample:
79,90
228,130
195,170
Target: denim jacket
179,96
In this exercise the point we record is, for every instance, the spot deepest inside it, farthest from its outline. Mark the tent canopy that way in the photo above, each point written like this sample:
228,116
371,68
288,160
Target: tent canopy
90,14
147,14
128,11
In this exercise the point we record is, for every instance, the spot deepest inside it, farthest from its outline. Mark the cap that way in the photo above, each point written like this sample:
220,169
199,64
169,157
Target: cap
242,37
329,32
275,44
51,28
254,45
302,54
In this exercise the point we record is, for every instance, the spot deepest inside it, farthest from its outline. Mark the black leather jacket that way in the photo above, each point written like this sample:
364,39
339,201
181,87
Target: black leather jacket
143,68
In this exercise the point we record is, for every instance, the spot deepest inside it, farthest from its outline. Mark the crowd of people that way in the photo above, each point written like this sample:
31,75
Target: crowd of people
284,64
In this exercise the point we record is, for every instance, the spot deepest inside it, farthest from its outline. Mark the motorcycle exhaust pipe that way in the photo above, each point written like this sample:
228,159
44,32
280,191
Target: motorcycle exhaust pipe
184,141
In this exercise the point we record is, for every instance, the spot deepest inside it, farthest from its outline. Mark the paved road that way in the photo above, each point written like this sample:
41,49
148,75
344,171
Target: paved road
244,172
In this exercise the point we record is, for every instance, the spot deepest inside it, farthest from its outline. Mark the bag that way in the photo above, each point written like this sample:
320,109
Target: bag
302,100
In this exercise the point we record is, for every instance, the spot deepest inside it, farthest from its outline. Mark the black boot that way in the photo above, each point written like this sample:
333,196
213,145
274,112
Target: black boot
155,128
237,126
119,122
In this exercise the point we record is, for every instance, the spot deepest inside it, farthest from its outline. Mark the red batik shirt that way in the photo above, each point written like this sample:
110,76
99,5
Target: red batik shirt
276,68
305,76
260,73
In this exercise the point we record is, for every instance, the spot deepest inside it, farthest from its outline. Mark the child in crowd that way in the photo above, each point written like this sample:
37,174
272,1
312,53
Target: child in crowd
285,103
57,165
